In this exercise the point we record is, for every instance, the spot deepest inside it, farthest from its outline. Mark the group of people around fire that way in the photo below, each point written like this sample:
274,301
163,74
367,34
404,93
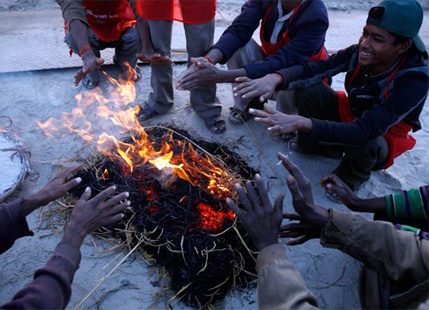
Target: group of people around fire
366,128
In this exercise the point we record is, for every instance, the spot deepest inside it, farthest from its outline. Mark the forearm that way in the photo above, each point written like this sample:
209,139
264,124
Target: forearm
79,32
13,224
280,285
215,55
406,257
51,287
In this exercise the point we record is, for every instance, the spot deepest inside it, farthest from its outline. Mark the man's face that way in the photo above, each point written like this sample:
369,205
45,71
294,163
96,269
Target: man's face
376,49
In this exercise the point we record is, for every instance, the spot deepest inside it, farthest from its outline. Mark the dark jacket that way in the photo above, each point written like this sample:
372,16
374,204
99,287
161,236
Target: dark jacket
51,287
306,32
407,92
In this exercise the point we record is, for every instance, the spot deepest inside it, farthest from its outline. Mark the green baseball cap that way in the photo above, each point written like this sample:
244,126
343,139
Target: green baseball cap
401,17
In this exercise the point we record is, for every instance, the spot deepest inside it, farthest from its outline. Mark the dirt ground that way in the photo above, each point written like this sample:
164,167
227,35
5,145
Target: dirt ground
44,89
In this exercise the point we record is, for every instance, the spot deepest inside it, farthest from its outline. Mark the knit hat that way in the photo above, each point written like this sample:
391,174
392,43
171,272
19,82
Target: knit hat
401,17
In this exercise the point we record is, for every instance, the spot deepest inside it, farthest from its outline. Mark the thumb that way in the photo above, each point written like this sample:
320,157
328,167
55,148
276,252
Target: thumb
100,61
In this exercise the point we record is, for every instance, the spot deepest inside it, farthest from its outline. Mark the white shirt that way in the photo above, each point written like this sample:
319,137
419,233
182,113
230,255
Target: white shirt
280,22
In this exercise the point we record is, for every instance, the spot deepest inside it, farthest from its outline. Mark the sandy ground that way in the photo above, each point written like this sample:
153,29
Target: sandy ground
28,95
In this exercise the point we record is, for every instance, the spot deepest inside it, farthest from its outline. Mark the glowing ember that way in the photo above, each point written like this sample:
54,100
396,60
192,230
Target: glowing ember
212,219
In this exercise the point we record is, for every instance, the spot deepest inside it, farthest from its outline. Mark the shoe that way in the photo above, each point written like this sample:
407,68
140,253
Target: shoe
215,124
331,151
333,197
86,82
146,112
237,117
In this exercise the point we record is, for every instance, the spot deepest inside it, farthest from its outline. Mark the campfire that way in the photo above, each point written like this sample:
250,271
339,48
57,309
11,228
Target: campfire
178,187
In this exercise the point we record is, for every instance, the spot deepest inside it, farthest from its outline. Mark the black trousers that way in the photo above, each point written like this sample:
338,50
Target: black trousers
320,101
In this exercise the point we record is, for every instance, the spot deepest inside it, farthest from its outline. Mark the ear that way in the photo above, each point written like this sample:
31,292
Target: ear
404,46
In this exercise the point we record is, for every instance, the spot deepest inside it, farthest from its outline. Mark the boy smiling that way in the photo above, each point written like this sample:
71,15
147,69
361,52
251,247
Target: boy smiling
386,83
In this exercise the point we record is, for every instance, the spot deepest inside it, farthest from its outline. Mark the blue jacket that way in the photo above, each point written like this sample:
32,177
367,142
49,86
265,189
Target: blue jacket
407,92
306,32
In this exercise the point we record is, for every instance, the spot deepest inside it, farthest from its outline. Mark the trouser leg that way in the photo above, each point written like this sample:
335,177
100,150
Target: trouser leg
199,39
318,101
96,45
358,162
161,80
129,45
249,53
285,101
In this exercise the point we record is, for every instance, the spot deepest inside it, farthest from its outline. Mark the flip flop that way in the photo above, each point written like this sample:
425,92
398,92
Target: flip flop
237,117
215,124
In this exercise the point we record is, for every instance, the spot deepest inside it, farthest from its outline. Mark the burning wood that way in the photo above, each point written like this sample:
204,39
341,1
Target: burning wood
187,227
177,191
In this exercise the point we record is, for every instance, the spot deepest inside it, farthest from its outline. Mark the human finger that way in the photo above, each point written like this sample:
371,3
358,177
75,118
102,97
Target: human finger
103,195
278,204
243,198
253,196
298,241
116,199
234,207
297,196
242,79
263,192
85,196
292,216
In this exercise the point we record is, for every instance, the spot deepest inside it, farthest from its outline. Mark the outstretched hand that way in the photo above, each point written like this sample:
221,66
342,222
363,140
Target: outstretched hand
55,189
263,87
334,184
154,58
312,218
259,218
90,64
279,122
91,213
201,73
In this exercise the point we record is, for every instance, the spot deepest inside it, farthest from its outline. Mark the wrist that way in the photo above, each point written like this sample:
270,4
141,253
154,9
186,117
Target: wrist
84,49
318,216
209,59
262,244
30,204
73,235
305,125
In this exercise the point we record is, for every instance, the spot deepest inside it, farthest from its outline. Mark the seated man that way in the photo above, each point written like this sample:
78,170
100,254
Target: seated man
95,25
51,287
292,32
396,263
387,83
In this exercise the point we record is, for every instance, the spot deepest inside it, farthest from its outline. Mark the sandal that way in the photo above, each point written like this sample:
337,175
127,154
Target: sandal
326,151
86,82
237,117
216,124
146,112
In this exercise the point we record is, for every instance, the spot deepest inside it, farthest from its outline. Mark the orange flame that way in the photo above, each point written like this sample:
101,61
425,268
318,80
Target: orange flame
103,120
